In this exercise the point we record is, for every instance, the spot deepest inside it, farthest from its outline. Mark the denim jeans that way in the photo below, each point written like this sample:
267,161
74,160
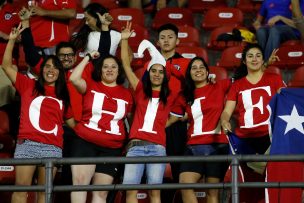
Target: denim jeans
154,172
270,38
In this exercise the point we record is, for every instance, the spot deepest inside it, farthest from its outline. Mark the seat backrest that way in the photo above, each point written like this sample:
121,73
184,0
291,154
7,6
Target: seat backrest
7,173
231,57
220,45
140,33
273,69
217,17
290,56
200,6
191,52
176,16
297,79
122,15
4,122
188,36
220,72
200,194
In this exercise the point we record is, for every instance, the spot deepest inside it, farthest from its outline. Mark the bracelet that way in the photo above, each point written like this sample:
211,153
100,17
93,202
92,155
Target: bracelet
90,57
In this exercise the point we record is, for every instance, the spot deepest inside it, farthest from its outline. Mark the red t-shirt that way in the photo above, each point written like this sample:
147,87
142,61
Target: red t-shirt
75,96
205,112
8,19
41,117
252,101
48,32
150,116
104,110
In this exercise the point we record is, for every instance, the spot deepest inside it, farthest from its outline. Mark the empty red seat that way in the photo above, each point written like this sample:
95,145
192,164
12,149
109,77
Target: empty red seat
220,72
201,195
7,173
7,143
191,52
200,6
122,15
188,36
4,122
140,33
142,197
273,69
290,56
297,79
218,17
176,16
231,57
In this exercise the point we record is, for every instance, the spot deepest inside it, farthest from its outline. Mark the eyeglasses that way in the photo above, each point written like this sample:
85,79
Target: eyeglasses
69,55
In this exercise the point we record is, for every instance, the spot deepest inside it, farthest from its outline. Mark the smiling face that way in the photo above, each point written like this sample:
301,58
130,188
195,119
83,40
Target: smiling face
50,73
109,72
199,73
157,75
67,57
254,59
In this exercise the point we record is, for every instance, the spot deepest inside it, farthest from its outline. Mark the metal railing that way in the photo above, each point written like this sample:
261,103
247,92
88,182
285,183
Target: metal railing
235,160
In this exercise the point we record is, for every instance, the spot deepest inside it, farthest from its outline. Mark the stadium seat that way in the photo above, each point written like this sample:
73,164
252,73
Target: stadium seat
176,16
188,36
140,33
246,6
291,43
273,69
290,56
297,79
200,194
142,197
7,143
200,6
4,122
220,45
122,15
191,52
220,72
76,23
231,57
109,4
7,173
218,17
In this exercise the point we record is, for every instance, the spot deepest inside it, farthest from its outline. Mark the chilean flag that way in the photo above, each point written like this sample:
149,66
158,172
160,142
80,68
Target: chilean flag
287,130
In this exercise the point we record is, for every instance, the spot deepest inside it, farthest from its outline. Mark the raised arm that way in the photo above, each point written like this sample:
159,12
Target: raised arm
126,62
7,64
65,13
105,37
32,56
226,115
76,79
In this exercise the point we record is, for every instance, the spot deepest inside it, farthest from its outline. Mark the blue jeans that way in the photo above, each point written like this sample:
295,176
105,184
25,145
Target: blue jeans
270,38
154,172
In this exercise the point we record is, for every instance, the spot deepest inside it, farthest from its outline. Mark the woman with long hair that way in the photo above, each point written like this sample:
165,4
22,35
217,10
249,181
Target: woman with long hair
203,103
88,37
101,131
44,104
153,104
250,93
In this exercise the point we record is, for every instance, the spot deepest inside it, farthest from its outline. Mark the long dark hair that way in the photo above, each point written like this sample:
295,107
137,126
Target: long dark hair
242,71
61,89
80,39
189,86
96,74
164,91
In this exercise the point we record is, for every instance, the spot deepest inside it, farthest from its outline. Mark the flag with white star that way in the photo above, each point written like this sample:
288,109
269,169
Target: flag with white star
287,121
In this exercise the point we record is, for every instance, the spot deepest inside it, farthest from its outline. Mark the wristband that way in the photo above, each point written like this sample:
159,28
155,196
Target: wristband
90,57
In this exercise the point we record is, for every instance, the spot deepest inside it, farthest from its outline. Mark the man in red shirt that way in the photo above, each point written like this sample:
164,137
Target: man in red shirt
50,21
8,19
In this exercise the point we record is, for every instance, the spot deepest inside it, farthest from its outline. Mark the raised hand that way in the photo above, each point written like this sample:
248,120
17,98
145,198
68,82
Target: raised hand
16,32
94,54
127,31
24,14
105,19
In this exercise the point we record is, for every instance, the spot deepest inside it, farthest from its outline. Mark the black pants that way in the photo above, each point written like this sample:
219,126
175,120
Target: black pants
176,138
